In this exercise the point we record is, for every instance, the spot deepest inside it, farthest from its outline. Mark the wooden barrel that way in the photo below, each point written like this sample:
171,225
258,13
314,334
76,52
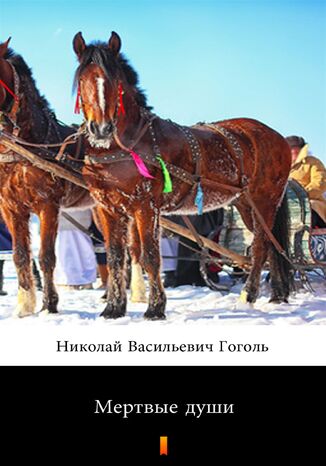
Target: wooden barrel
234,235
307,245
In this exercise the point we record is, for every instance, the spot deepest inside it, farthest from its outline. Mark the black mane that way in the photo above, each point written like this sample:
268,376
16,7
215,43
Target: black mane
99,53
28,84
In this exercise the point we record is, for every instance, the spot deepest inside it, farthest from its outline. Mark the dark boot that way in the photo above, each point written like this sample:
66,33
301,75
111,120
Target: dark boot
37,277
2,292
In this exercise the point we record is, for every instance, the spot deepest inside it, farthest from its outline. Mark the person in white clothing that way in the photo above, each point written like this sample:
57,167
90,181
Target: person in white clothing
76,262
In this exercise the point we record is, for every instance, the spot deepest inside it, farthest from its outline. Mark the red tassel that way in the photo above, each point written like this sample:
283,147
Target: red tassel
121,106
77,104
8,90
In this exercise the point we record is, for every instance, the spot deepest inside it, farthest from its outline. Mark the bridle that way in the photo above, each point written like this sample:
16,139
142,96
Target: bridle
11,115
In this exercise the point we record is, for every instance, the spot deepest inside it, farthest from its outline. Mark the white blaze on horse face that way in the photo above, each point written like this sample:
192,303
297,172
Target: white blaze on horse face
101,94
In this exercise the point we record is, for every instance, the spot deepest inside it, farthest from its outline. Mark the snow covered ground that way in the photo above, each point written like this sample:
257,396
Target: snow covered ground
186,305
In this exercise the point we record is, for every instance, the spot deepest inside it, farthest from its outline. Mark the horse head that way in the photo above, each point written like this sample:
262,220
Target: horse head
100,82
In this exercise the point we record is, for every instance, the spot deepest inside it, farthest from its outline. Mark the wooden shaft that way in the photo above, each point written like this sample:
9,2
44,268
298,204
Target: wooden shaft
39,162
242,261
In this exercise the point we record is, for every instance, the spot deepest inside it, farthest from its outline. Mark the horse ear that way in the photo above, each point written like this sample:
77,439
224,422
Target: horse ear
4,47
114,43
79,44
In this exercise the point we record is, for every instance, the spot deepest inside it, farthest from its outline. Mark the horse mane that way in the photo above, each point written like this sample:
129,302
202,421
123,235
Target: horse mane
39,109
99,53
31,91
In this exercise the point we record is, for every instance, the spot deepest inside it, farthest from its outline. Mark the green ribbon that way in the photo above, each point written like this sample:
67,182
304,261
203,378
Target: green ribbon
166,175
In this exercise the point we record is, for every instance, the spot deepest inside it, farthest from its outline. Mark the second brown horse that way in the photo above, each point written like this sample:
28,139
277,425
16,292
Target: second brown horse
24,188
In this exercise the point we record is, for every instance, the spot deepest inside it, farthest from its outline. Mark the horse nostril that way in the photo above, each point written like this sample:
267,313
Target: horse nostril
92,127
108,128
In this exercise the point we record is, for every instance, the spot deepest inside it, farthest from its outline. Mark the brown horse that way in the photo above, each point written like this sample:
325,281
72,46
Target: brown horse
211,164
24,188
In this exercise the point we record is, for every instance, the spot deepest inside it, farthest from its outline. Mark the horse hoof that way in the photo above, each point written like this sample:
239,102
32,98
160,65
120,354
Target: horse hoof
26,303
46,311
278,300
151,315
112,314
23,312
247,297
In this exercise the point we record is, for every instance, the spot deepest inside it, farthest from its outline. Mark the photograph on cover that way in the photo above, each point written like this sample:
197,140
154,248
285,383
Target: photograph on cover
161,164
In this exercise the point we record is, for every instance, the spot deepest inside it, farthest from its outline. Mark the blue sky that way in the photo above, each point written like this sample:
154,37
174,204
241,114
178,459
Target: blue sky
197,59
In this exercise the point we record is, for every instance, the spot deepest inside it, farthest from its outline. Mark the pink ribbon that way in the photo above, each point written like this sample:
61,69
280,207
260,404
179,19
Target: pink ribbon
140,165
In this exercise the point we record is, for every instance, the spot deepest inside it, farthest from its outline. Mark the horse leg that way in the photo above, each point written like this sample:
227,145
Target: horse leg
115,232
149,231
48,232
137,285
276,219
280,290
18,225
259,249
279,267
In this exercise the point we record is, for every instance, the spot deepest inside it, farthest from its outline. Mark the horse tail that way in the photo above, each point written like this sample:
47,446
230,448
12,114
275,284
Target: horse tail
281,232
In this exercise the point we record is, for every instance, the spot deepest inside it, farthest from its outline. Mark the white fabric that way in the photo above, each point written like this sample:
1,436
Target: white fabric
76,261
169,247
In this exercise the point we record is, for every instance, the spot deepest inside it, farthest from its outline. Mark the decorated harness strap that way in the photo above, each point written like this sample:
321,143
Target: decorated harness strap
12,115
